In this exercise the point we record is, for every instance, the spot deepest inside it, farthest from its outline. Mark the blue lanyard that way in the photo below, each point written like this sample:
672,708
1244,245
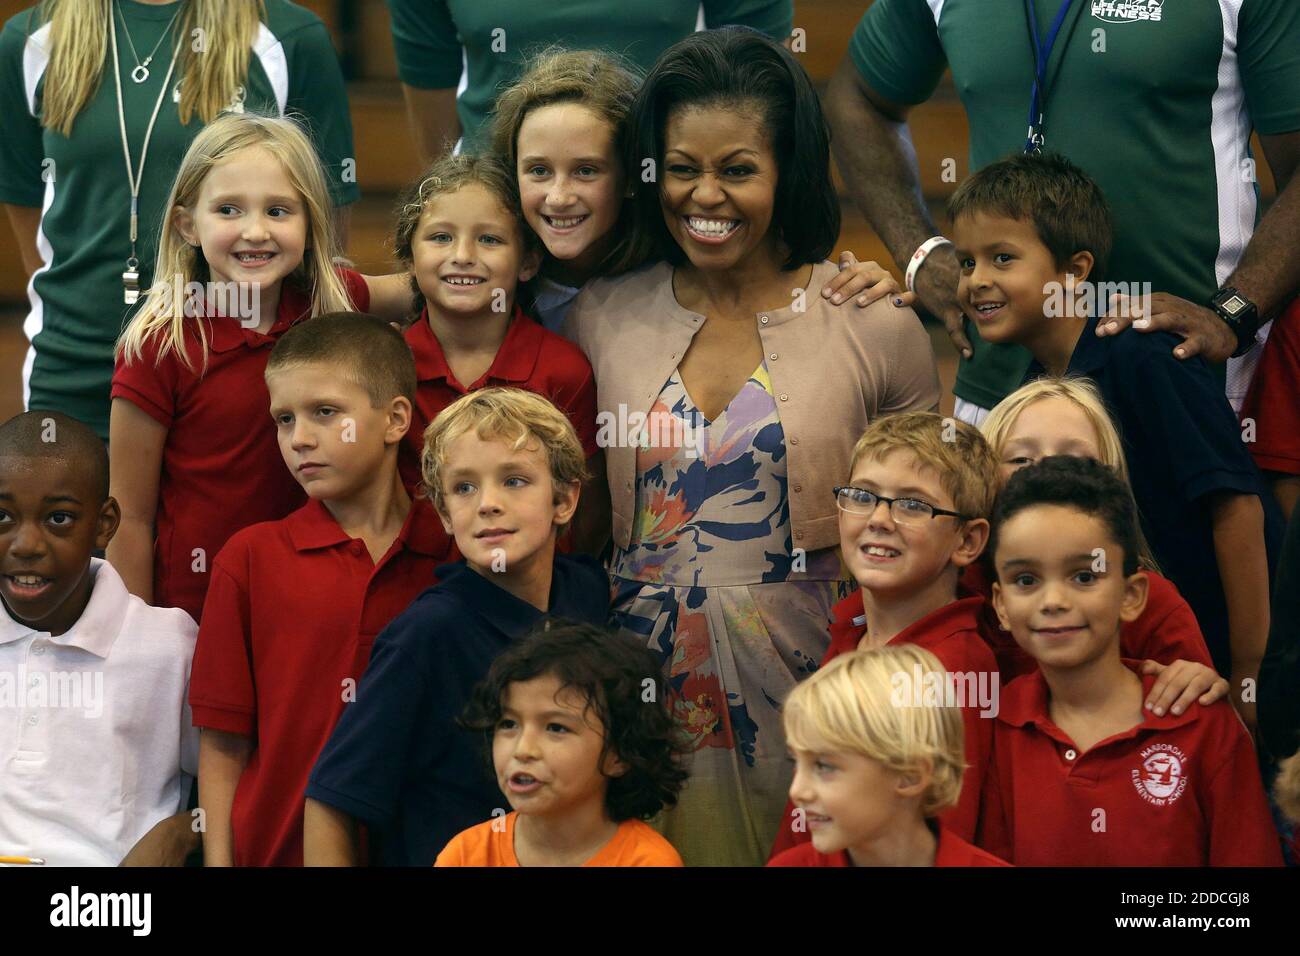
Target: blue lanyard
1042,54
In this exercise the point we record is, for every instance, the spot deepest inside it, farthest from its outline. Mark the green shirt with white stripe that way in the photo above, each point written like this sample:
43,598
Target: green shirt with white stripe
1155,100
80,182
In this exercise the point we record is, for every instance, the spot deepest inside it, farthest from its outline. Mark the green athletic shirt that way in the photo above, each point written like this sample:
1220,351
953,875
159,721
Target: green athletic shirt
1161,120
80,182
488,40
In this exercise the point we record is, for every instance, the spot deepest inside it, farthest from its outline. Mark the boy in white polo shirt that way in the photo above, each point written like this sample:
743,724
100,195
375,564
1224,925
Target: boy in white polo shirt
97,750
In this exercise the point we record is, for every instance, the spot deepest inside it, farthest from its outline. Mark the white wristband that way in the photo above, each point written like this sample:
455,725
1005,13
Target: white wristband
919,257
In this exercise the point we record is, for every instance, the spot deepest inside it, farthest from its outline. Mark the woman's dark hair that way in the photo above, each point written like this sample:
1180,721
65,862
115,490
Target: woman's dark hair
731,68
623,684
1083,484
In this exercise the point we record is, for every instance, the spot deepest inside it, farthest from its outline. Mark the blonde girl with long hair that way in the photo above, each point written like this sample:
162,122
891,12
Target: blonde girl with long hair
1066,416
246,251
101,99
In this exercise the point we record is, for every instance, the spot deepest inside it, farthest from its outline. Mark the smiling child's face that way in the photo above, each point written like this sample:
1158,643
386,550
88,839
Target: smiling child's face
50,523
570,179
547,749
1005,272
1061,589
468,253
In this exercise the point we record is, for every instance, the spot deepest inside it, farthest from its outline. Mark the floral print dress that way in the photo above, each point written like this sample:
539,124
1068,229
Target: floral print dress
711,583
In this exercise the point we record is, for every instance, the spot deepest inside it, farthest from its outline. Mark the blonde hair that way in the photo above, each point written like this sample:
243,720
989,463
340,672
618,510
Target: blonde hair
512,415
964,461
1286,788
209,77
1084,395
849,706
163,312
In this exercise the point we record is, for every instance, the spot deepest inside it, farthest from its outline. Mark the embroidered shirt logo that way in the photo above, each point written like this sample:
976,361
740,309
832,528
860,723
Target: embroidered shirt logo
1127,11
1162,778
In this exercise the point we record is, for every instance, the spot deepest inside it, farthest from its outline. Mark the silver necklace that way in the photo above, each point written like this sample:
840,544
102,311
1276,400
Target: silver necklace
131,277
141,72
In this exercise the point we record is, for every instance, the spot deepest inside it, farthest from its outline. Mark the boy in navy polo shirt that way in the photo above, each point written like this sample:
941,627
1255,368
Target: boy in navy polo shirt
504,467
1082,774
1033,234
295,604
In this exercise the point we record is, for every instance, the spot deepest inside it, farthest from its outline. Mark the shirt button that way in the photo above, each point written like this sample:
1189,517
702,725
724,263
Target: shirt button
785,397
31,719
356,547
35,680
1070,755
38,649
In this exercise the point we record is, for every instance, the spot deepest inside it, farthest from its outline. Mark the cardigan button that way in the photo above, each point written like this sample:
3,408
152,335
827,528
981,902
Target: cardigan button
798,487
772,356
785,397
794,441
763,319
799,535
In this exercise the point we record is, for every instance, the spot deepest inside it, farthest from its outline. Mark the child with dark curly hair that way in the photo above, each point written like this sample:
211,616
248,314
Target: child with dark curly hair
582,746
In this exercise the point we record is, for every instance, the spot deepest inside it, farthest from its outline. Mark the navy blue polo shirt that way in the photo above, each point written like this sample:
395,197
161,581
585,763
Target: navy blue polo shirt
397,761
1183,444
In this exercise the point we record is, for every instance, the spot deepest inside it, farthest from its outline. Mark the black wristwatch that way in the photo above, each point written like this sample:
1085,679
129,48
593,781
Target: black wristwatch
1240,314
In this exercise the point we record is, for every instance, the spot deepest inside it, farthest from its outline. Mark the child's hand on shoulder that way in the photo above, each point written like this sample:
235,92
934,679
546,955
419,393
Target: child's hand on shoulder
869,278
1179,684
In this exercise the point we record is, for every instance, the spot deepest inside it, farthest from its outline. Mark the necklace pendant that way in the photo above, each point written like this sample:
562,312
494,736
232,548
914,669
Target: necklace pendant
140,73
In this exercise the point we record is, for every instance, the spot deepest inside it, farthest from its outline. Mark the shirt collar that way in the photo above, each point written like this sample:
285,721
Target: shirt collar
505,612
225,334
850,620
312,527
101,621
514,362
1024,702
1088,356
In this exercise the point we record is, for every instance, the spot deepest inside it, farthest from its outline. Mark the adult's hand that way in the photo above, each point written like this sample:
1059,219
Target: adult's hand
936,288
1201,329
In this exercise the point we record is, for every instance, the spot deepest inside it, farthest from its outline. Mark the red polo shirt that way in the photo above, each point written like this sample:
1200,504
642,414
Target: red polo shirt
1170,791
952,850
530,357
221,466
1165,631
293,609
952,635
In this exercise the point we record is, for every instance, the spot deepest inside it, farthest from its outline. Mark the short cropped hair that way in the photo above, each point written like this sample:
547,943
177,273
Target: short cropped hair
1085,485
613,672
966,465
512,415
1066,206
849,706
732,68
365,350
54,435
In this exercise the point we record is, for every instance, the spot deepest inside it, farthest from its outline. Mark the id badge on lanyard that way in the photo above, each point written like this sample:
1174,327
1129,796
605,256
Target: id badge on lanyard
1036,138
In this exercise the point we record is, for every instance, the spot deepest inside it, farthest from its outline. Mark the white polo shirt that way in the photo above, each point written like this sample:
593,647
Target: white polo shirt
96,740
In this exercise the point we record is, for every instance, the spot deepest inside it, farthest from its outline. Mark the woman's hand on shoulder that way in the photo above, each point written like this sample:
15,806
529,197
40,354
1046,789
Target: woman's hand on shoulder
869,281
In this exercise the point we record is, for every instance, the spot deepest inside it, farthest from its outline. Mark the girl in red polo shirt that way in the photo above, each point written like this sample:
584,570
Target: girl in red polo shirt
1066,416
246,251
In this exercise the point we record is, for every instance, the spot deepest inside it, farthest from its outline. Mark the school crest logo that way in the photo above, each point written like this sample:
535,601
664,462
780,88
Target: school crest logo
1127,11
1162,776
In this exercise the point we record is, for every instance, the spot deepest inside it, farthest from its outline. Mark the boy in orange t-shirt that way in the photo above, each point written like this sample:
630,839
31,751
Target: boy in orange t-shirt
552,707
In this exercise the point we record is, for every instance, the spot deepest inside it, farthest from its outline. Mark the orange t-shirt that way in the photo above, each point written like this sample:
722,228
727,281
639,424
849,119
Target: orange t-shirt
490,844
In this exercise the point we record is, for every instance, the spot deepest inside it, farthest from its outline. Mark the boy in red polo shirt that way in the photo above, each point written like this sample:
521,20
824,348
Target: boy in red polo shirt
462,237
295,604
876,759
1082,774
914,514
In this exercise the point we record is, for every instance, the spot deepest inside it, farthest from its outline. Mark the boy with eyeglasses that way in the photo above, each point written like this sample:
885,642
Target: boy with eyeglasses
913,515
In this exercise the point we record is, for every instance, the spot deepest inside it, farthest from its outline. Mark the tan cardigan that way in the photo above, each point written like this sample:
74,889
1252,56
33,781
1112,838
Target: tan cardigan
833,370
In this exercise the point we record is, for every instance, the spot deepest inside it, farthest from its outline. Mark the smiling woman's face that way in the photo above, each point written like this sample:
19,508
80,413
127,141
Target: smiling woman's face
719,185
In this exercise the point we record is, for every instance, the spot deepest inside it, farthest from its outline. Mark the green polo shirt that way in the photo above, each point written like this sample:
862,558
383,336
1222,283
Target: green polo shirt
487,40
80,182
1155,100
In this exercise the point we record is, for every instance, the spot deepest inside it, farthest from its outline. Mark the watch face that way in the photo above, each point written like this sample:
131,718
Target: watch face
1233,305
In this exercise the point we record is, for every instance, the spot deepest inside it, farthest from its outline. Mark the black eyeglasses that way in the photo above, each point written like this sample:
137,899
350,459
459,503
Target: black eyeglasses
857,501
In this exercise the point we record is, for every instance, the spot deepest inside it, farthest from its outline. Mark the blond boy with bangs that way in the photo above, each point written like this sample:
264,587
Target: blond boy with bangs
876,761
504,468
914,514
